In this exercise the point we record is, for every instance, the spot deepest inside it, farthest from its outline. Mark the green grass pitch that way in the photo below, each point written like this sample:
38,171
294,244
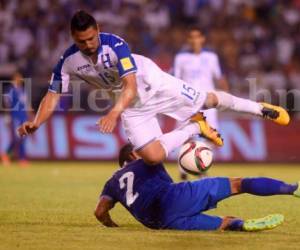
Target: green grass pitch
50,206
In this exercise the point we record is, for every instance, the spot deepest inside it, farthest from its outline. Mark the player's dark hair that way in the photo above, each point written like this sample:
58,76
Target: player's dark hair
195,28
81,21
125,154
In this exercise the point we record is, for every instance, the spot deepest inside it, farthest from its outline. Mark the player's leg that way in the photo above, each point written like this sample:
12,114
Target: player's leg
204,195
152,145
144,132
205,222
262,186
258,186
157,150
224,101
5,157
196,222
14,138
21,150
20,143
174,139
22,153
236,224
182,102
187,199
152,153
212,117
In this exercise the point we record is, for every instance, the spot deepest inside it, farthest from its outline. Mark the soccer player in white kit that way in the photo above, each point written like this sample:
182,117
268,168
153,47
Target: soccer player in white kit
201,69
144,91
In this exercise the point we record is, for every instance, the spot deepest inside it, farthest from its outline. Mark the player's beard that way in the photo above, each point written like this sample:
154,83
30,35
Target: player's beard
89,52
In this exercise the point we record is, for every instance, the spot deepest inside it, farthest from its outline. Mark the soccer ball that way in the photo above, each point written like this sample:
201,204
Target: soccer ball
195,157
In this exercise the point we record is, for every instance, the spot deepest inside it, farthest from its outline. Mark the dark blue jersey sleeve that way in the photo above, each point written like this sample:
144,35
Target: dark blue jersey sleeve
108,191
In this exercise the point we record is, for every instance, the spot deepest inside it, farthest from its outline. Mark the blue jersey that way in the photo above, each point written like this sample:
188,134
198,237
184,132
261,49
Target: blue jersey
16,102
139,188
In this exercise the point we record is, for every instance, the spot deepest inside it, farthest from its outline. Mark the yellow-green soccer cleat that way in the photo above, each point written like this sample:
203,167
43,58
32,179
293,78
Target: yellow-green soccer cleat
297,191
275,113
266,223
206,130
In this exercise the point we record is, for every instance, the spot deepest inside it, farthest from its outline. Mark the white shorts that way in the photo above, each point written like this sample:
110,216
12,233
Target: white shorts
175,98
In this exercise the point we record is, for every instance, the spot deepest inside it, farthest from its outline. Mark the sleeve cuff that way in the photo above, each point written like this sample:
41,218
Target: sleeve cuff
127,73
53,91
106,197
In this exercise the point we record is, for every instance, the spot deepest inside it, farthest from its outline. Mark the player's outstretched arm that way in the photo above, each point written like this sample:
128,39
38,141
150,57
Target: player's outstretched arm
46,108
102,212
129,92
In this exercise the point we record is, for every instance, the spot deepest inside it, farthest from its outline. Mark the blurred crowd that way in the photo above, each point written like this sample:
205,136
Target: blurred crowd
256,40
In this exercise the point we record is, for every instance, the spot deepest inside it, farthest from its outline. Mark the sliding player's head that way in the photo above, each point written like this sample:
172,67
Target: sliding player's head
85,32
195,39
127,154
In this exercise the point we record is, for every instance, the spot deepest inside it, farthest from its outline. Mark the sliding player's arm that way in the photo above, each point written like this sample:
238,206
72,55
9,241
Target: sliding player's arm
102,212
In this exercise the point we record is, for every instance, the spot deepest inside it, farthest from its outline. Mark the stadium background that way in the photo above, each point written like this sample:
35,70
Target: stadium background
49,205
256,40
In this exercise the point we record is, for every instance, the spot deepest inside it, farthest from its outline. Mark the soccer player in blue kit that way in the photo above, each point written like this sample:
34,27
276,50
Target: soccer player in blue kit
151,196
15,101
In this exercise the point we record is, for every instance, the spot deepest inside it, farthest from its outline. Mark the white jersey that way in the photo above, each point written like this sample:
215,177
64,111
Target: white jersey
158,92
199,70
114,62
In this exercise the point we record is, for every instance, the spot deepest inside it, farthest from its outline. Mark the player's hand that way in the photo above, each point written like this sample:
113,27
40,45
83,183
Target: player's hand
108,123
27,128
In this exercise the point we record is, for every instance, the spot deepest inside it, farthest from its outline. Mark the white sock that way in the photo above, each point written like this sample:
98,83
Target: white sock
227,101
172,140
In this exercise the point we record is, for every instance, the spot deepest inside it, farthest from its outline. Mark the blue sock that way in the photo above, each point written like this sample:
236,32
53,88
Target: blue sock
22,155
266,186
235,225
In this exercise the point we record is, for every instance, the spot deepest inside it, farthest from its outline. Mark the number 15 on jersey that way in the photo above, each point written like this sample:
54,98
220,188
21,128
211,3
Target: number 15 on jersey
189,93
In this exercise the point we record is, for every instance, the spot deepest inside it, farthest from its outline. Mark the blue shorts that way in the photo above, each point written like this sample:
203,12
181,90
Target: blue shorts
183,203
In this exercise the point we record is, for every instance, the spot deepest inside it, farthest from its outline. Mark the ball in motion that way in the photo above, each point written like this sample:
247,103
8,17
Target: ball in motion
195,157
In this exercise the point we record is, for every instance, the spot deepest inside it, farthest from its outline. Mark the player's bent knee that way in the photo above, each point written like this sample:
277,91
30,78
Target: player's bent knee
153,153
235,185
152,159
211,100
